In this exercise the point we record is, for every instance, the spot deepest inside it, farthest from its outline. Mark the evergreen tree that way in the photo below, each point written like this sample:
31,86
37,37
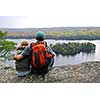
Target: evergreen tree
5,46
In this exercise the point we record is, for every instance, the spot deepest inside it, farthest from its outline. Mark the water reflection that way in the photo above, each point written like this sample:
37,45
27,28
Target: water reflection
76,59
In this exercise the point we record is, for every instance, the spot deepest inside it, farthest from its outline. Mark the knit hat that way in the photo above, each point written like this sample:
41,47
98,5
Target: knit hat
40,34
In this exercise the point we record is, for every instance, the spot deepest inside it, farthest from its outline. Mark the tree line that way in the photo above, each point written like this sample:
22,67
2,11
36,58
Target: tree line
6,47
72,48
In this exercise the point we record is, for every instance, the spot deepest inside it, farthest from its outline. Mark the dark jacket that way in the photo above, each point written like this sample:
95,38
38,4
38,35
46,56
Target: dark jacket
24,64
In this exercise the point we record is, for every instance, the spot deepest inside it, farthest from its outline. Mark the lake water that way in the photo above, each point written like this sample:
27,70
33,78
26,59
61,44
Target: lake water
76,59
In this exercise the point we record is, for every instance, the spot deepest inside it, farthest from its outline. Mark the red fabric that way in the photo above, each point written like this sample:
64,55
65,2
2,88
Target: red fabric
39,48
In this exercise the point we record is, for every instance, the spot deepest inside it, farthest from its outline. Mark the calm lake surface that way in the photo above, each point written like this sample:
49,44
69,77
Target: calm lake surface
76,59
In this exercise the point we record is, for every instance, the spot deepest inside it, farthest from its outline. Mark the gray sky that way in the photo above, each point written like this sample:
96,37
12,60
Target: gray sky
15,21
50,13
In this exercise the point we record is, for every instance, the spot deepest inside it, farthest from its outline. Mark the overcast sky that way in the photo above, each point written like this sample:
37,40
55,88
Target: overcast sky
51,13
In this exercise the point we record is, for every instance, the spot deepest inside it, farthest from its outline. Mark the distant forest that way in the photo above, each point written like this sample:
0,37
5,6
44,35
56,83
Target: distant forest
68,33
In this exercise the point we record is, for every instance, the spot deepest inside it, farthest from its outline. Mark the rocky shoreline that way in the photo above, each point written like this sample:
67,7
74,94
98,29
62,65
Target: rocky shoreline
87,72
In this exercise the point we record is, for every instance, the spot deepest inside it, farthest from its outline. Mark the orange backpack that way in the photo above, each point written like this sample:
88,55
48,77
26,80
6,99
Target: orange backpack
40,55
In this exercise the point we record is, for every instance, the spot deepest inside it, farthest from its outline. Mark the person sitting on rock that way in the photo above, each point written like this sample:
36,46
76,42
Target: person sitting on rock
22,65
42,56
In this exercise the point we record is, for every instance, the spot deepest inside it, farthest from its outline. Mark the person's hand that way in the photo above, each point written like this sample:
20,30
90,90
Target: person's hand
18,57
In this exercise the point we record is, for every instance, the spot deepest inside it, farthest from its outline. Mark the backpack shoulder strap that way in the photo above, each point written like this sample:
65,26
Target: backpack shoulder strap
32,44
45,43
